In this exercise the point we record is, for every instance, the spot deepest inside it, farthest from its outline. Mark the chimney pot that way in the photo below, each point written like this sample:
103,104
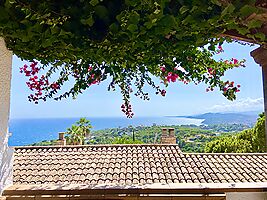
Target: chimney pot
61,135
164,132
171,132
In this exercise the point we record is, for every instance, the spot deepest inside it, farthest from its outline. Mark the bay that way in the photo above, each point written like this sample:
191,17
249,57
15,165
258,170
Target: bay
28,131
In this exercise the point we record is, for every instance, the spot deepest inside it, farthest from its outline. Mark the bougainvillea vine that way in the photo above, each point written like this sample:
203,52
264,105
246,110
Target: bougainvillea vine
128,41
210,72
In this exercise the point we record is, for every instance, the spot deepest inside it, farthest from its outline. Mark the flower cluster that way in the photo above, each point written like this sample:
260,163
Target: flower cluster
36,84
235,62
184,69
227,87
161,92
211,71
219,50
171,76
127,109
94,79
32,70
230,85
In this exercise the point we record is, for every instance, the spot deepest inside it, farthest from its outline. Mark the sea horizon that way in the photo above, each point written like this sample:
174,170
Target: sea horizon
26,131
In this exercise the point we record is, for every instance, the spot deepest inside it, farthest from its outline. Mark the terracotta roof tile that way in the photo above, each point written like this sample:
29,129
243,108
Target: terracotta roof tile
133,164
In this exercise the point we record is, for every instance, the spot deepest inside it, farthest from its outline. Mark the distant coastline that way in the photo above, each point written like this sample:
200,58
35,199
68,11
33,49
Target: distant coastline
245,118
28,131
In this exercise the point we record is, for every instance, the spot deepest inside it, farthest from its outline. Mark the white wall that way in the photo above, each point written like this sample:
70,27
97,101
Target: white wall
246,196
5,81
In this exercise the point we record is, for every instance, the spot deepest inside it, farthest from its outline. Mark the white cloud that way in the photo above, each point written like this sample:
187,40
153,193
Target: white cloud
241,105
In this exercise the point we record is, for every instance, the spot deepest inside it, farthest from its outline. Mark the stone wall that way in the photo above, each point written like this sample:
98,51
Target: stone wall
5,82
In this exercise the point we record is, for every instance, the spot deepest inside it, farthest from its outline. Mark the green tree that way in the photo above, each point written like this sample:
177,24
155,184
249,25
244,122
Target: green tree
85,126
228,145
250,140
78,132
258,138
125,140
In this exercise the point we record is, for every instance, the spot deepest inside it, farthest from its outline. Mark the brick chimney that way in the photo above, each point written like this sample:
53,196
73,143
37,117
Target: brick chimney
61,140
164,132
171,132
168,136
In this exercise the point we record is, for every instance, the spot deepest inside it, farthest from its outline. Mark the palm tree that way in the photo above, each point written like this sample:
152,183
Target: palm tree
77,134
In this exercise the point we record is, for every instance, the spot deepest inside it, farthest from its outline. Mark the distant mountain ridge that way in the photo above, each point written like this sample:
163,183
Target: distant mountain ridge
247,118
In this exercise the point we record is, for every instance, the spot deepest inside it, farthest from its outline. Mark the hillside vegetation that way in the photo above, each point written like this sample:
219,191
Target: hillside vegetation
250,140
190,138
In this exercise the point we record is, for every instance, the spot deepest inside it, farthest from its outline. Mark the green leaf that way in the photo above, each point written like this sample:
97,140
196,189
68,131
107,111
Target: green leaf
261,36
25,39
134,18
4,15
188,19
254,24
243,31
228,10
157,11
216,2
94,2
25,22
183,9
196,8
168,21
47,43
131,2
55,30
148,25
101,11
89,21
132,27
113,28
247,10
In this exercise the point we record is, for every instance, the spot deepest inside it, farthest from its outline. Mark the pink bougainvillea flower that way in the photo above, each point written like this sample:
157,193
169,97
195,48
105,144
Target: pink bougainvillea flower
163,93
27,73
90,68
162,68
235,61
54,86
171,77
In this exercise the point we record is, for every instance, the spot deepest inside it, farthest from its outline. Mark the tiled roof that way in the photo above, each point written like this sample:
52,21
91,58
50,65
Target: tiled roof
133,165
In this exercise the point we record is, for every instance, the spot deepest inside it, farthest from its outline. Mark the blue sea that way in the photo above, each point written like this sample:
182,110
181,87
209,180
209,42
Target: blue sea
28,131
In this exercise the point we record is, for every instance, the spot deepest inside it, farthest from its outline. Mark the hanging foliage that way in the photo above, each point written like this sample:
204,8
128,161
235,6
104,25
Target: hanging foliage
129,41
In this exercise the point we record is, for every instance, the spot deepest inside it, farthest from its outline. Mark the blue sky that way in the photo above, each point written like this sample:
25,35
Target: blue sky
180,99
